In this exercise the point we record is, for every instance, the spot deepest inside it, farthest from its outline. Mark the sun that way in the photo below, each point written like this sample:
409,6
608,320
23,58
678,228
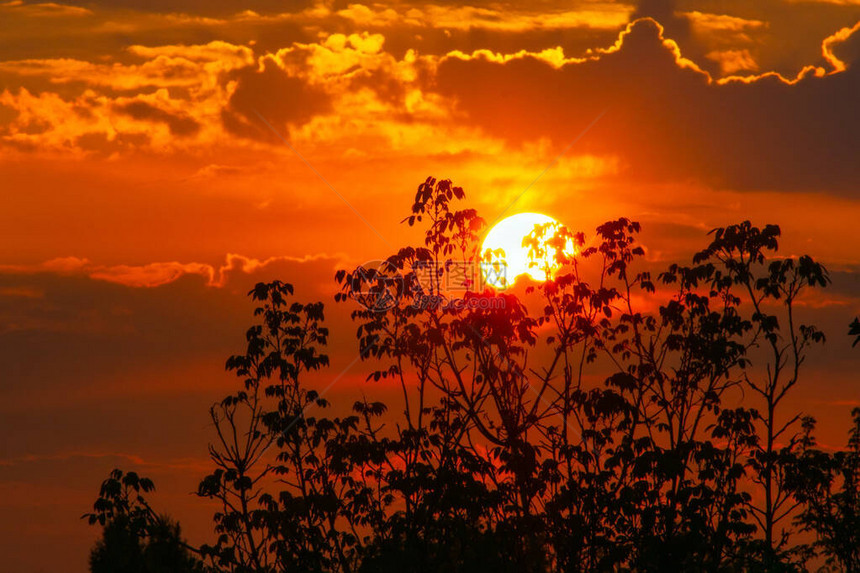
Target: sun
508,235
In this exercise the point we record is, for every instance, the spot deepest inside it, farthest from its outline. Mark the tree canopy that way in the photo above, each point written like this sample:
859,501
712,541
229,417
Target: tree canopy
636,421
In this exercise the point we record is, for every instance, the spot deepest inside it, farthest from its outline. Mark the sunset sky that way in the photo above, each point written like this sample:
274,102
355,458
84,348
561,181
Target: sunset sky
159,158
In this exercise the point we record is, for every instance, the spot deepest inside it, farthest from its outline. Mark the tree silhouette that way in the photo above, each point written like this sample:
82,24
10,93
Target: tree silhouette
135,539
633,423
831,501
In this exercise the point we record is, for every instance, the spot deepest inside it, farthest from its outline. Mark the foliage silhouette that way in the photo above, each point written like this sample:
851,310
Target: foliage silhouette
832,509
135,539
507,451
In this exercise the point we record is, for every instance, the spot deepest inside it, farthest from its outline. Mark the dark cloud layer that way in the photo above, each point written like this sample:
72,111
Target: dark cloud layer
275,95
666,12
179,125
207,7
670,122
95,328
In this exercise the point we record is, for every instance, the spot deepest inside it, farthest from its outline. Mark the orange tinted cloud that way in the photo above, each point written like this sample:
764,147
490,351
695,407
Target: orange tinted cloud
592,15
152,274
668,119
43,9
179,91
706,23
836,41
346,88
194,67
730,41
734,61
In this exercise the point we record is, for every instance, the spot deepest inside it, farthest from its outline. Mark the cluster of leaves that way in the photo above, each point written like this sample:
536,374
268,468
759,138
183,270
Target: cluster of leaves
135,538
830,494
507,454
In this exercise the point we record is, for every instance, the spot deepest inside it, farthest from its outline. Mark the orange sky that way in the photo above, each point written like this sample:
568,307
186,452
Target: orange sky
142,193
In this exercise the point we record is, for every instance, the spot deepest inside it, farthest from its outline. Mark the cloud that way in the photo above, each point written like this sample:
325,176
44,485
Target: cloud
98,333
172,98
46,120
668,119
665,12
179,125
217,170
218,7
839,49
732,42
22,292
606,15
60,457
44,9
154,274
346,92
835,2
198,94
733,61
275,95
196,67
706,23
216,56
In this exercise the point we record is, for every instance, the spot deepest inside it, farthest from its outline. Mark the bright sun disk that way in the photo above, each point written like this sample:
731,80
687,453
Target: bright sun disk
508,235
